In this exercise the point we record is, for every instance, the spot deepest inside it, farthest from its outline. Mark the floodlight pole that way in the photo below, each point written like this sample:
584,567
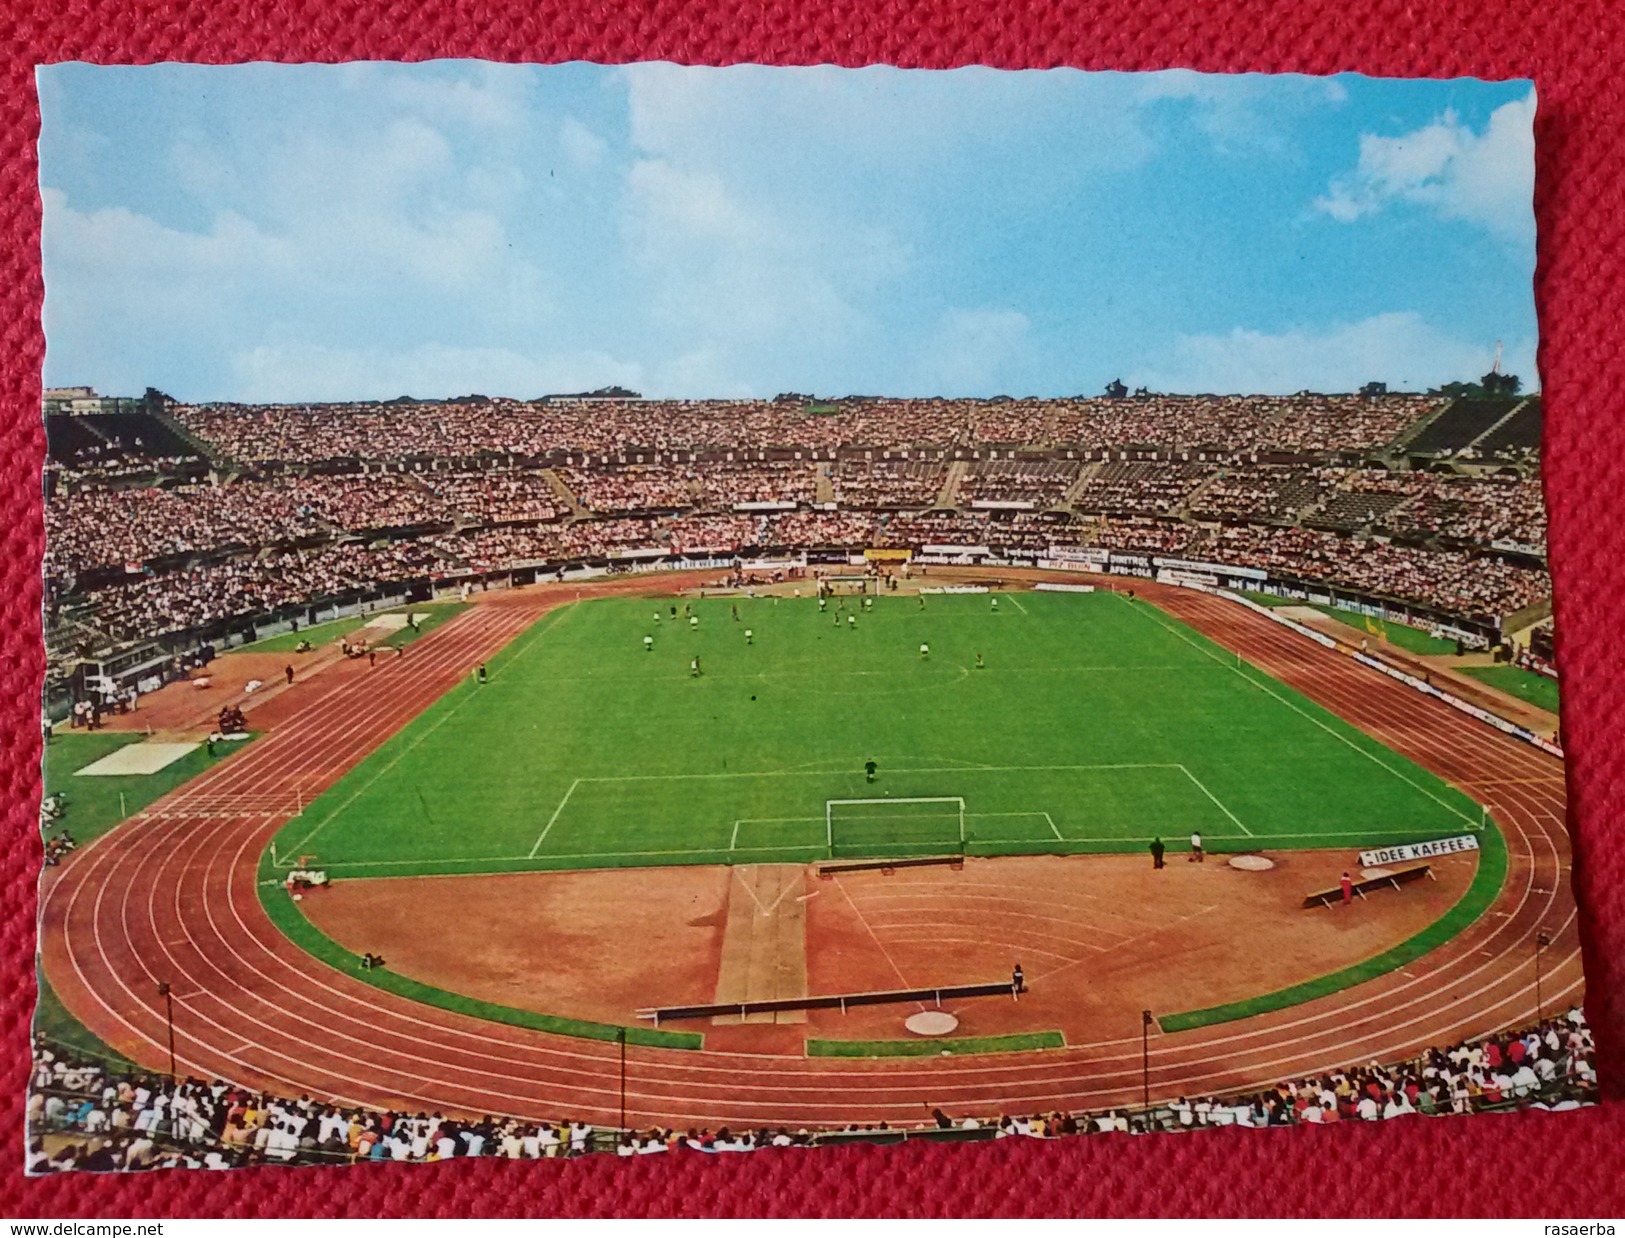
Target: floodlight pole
1145,1060
622,1039
1542,940
169,1019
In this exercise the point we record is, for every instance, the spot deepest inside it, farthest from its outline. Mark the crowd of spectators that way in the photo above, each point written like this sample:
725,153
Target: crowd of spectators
110,528
1139,487
722,484
1477,510
83,1116
497,496
634,489
1478,586
157,603
311,433
887,483
192,553
1043,483
1261,492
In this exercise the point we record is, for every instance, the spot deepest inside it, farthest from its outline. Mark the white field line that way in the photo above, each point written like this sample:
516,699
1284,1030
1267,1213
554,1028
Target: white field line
1268,691
1054,829
547,829
1016,602
1202,787
411,747
954,769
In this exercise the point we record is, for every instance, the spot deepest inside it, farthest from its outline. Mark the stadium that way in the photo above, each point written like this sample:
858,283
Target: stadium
605,772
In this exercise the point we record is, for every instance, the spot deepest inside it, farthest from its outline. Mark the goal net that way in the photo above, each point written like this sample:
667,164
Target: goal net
848,584
895,826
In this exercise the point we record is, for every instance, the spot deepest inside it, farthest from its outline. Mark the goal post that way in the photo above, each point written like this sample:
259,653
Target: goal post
895,826
833,585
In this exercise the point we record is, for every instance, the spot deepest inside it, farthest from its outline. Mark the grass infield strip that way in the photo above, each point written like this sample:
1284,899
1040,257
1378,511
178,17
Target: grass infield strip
1486,884
1395,633
1015,1043
57,1024
1538,690
313,941
430,615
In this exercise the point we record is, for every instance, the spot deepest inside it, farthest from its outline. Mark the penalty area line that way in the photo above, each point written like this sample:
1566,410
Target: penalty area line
551,821
1202,787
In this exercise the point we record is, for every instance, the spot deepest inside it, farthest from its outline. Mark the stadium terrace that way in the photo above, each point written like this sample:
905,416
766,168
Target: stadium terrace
173,525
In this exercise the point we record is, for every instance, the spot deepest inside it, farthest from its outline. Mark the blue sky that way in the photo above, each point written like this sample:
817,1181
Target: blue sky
267,232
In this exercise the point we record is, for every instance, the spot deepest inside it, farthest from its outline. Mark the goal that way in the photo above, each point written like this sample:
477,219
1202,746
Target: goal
849,584
895,826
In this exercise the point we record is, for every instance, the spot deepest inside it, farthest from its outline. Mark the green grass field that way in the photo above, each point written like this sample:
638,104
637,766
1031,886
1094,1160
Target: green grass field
1402,634
1095,724
430,615
1538,690
97,804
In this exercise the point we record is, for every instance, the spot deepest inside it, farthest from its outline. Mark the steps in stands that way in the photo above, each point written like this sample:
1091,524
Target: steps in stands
578,510
1405,436
823,485
1489,431
1085,475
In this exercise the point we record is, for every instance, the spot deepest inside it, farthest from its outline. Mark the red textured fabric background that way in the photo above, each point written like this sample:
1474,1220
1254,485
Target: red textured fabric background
1545,1165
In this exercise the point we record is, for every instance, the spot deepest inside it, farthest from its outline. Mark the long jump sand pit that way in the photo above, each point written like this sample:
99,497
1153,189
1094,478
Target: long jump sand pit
1100,938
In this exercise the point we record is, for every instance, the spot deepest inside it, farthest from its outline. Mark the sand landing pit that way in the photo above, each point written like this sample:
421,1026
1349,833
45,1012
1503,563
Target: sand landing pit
143,758
764,947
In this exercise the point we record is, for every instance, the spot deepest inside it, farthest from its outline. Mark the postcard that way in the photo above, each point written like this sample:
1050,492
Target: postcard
668,610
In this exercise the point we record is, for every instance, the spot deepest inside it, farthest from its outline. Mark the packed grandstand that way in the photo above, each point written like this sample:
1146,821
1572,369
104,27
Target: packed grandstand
84,1114
172,524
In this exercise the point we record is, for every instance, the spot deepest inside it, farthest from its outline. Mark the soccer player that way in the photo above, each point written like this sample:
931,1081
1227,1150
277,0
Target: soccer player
480,673
657,616
995,605
1196,849
735,609
851,621
822,603
979,663
925,650
648,644
750,637
868,603
693,622
869,768
694,669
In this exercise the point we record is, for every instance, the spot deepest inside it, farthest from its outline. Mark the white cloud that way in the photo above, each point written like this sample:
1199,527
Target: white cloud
1243,112
1485,178
1399,348
582,147
734,286
317,372
972,352
474,93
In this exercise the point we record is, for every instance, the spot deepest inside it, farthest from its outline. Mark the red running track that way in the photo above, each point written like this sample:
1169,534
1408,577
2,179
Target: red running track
171,897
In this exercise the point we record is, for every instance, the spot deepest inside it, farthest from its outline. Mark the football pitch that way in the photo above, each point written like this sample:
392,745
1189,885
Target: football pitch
1092,724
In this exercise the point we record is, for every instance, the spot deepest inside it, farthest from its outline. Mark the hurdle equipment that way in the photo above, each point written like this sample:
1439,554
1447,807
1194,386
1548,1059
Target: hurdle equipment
1384,881
831,868
832,1001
